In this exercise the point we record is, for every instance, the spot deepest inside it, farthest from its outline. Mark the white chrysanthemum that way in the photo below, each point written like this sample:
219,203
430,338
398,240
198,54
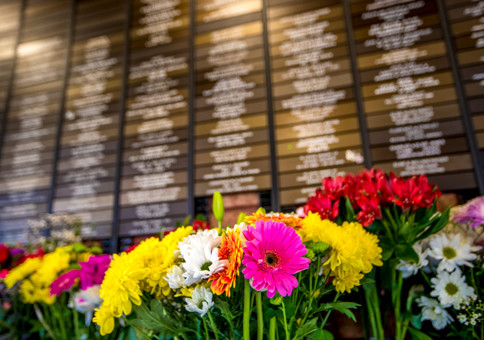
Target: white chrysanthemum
451,252
410,268
200,255
200,301
85,301
432,310
451,289
175,278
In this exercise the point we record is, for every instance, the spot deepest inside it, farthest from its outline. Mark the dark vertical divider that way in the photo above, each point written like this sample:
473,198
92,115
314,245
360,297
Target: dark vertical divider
270,113
365,142
119,144
60,119
464,107
5,109
191,114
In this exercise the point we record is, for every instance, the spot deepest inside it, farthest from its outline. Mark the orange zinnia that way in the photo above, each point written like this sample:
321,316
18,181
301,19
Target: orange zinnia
230,250
290,220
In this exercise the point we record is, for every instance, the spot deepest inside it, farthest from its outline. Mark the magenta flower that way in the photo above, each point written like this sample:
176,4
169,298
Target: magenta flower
472,212
92,271
64,282
273,254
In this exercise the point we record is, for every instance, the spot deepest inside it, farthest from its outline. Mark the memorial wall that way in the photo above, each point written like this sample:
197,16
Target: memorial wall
130,114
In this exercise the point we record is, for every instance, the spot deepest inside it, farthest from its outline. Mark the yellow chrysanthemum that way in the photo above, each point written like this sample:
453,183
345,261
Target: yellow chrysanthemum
37,274
129,274
354,251
290,220
120,287
105,319
22,271
158,256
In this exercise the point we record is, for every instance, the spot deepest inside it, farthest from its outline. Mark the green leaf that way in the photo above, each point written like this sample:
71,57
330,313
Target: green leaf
350,213
322,334
218,206
79,248
387,248
96,250
418,335
186,221
241,218
261,210
405,252
306,329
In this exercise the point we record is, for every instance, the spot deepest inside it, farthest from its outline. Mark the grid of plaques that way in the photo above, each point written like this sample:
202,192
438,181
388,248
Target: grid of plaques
408,91
466,19
87,160
9,24
317,130
231,136
29,141
154,173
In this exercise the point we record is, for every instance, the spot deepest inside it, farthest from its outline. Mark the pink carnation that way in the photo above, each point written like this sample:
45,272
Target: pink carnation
273,254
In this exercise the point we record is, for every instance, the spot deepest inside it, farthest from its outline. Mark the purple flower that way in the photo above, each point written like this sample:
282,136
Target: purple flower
64,282
472,211
92,271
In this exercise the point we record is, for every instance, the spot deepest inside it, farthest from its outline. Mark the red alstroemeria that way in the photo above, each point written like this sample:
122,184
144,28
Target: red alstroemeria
200,225
323,205
4,253
370,209
414,192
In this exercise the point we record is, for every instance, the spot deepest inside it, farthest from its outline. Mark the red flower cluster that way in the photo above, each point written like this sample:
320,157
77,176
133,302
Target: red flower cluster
369,191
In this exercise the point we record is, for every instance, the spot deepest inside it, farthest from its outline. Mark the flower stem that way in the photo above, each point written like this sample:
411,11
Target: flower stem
205,328
371,297
260,316
272,328
285,320
76,323
246,325
213,325
329,312
38,313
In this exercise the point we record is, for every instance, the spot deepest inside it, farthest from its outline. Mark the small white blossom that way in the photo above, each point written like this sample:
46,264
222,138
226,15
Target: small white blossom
200,301
432,310
410,268
175,278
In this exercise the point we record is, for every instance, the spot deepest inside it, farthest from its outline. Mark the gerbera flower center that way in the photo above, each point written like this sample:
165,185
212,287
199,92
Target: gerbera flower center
271,258
451,288
449,252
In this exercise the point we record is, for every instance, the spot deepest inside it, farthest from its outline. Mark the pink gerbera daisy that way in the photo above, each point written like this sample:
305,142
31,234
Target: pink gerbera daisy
64,282
273,254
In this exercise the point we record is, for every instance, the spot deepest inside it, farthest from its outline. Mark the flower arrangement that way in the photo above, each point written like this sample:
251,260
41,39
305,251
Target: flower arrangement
401,212
270,275
451,265
285,271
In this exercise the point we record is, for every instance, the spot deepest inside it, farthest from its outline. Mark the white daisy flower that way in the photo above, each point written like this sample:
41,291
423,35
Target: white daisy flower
451,253
411,268
451,289
200,255
200,301
175,278
432,310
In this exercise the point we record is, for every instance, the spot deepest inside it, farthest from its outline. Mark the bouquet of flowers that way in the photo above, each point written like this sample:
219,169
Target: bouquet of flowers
401,212
41,279
451,263
268,269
